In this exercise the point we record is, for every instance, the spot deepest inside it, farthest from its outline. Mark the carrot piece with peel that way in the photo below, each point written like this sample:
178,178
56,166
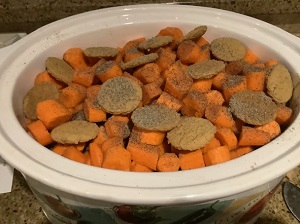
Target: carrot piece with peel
92,113
132,44
137,167
168,162
240,151
226,137
72,153
188,52
201,85
165,59
250,57
175,32
283,115
75,58
273,128
52,113
214,97
253,137
117,158
144,154
219,115
217,155
202,42
46,77
191,160
39,132
96,154
131,54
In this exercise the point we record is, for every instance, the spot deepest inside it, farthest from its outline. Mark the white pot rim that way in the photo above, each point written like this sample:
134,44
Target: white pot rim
247,172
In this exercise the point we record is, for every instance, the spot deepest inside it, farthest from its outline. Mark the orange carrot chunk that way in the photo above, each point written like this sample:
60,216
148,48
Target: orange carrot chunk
52,113
149,137
175,32
151,92
219,115
240,152
214,97
214,143
108,70
216,156
46,77
73,154
96,154
147,73
75,58
201,85
169,101
72,95
117,126
253,137
273,128
39,132
84,77
112,142
226,137
191,160
165,59
256,80
92,113
168,162
59,149
283,115
250,57
101,137
137,167
117,158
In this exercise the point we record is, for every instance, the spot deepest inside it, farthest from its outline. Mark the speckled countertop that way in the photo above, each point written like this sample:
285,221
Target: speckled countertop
20,206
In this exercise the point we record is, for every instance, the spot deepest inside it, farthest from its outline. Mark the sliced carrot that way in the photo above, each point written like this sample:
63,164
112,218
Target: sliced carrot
189,111
188,52
168,162
92,91
226,137
132,44
132,53
101,137
283,115
204,53
273,128
117,126
163,148
214,97
250,57
151,91
173,70
75,58
84,77
59,149
240,152
117,158
196,101
92,113
175,32
87,158
256,80
137,167
214,143
218,80
233,84
108,70
72,153
52,113
169,101
46,77
202,42
96,154
136,80
111,143
178,85
149,137
219,115
147,73
202,85
191,160
165,59
39,132
253,137
271,62
217,155
144,154
72,95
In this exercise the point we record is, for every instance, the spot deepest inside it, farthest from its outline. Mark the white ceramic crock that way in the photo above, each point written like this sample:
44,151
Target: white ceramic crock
70,192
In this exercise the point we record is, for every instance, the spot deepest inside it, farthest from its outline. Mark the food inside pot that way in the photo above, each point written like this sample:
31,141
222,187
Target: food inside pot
167,103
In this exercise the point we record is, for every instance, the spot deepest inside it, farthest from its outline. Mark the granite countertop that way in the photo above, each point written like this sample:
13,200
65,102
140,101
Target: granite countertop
20,206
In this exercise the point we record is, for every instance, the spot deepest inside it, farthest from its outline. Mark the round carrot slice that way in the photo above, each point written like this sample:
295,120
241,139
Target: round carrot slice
191,133
119,95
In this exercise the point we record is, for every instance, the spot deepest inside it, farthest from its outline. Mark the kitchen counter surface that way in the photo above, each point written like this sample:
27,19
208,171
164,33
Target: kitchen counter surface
20,206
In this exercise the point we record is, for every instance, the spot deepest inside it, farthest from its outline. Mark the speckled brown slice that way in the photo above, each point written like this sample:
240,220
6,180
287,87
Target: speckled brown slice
100,52
279,84
36,94
191,133
74,132
228,49
155,118
205,69
195,33
155,42
60,69
145,59
253,107
119,95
